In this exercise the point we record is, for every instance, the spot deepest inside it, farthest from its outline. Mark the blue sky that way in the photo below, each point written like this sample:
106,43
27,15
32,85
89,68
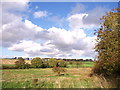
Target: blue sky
51,29
62,9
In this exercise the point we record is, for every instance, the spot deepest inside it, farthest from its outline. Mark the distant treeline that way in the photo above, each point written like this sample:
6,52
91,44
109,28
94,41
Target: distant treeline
54,58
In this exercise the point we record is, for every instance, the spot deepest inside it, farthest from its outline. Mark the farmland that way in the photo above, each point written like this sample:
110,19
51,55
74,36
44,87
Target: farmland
74,77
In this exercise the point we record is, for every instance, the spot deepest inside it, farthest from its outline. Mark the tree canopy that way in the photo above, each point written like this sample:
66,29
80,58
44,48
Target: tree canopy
108,44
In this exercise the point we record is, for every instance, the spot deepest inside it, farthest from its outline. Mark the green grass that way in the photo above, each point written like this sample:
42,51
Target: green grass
85,64
73,78
9,65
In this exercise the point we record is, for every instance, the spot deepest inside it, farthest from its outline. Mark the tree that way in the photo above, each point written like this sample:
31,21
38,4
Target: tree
108,44
21,64
37,62
52,62
61,63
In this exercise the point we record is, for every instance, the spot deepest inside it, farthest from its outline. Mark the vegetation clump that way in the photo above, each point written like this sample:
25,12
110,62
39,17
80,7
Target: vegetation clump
61,63
108,45
21,64
59,70
37,62
52,62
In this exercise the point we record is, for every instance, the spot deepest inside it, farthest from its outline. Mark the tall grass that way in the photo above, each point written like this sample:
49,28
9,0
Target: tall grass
46,78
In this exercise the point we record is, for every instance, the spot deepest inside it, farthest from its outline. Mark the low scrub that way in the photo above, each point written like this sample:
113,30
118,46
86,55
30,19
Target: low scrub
8,67
61,63
21,64
37,62
107,68
59,70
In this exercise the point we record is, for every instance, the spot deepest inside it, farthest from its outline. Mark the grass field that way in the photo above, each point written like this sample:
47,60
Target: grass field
85,64
77,76
73,78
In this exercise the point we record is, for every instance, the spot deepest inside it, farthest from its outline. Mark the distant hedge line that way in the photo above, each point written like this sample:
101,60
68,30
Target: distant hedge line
36,63
39,63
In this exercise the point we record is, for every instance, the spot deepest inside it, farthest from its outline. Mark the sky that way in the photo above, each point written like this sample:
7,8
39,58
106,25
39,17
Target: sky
51,29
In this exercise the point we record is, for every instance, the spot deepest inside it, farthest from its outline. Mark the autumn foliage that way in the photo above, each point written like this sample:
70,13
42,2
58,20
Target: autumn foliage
108,44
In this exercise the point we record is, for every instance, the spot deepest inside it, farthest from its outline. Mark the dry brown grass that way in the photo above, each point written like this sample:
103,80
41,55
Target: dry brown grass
12,61
73,78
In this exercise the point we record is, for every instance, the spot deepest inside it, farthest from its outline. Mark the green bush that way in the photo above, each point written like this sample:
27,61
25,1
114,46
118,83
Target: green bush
9,67
21,64
52,62
61,63
37,62
27,65
45,64
107,68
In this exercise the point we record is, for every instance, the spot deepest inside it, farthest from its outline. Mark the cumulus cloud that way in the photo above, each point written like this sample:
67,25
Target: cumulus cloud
14,28
12,10
17,30
23,35
32,48
15,6
89,20
76,20
40,14
64,39
59,43
94,16
24,46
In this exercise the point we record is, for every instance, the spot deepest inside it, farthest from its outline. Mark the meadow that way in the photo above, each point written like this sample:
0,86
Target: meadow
74,77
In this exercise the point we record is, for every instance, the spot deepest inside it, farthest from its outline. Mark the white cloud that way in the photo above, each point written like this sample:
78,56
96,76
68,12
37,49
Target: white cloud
15,6
40,14
58,43
76,21
64,39
13,27
25,45
19,35
89,20
32,26
18,30
94,16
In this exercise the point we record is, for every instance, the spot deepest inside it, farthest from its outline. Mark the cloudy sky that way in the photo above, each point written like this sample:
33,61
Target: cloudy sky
51,29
